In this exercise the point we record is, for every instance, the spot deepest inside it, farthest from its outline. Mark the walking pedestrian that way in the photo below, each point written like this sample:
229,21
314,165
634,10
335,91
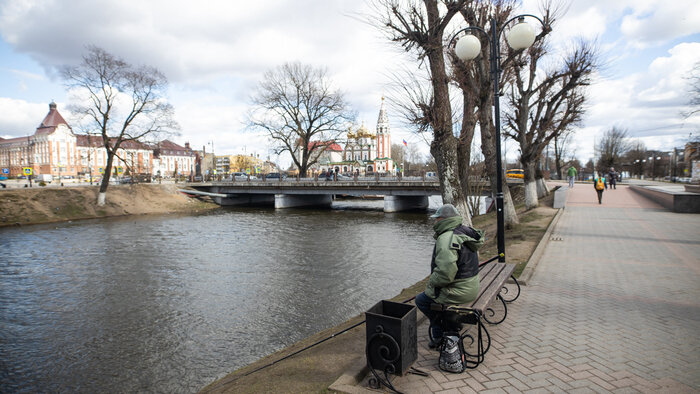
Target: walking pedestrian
599,185
571,174
612,178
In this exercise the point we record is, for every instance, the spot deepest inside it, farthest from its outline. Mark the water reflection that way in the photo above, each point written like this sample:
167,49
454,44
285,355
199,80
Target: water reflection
168,304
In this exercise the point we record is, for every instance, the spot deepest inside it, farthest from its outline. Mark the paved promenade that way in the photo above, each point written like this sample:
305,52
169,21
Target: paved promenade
612,306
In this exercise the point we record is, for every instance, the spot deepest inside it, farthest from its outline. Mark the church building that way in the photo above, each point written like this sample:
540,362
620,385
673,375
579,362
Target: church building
365,152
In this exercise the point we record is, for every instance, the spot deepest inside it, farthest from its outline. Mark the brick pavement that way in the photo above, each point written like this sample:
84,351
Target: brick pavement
613,306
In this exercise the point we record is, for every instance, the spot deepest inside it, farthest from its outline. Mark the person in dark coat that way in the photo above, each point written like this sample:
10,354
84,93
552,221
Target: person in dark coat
612,178
454,269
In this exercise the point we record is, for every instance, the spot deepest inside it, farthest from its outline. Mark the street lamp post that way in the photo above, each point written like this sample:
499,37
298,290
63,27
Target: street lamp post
467,48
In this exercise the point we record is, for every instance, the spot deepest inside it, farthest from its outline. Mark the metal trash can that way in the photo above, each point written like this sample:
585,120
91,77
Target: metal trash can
392,343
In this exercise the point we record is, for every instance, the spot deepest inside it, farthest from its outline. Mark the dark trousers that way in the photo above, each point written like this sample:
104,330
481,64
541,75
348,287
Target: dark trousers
600,196
423,303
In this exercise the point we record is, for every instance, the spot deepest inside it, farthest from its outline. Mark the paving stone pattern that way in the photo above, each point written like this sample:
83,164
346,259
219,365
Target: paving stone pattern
613,306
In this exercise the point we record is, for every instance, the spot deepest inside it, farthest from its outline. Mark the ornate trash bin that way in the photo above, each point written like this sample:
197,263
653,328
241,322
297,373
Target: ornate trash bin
392,343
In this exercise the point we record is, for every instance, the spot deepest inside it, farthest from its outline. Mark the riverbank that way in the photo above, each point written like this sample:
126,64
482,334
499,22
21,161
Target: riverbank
315,369
57,204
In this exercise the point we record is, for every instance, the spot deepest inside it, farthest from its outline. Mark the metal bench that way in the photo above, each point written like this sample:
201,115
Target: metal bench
494,293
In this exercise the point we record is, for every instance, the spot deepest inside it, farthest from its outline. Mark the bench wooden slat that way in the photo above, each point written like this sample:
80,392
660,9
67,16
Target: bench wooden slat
490,291
491,280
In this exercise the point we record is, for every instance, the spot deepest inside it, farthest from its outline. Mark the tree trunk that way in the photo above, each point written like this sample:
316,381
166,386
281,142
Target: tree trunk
488,149
531,200
557,158
542,189
445,154
464,152
105,179
444,145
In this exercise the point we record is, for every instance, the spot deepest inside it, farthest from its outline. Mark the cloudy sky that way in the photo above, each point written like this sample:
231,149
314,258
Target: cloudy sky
214,53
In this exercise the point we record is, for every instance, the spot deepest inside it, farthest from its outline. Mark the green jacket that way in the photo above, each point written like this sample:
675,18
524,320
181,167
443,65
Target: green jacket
447,245
572,171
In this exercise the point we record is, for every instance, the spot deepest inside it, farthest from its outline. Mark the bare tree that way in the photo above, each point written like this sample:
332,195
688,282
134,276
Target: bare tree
475,80
635,157
298,108
694,91
398,154
562,150
612,147
545,108
120,101
419,27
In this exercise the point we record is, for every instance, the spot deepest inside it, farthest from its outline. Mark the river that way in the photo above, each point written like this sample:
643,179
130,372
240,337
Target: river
171,303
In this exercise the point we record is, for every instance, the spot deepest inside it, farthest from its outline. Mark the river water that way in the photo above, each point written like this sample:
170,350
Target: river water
171,303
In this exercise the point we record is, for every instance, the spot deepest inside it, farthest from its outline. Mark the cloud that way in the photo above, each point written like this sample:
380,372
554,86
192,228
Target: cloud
215,54
27,75
658,22
19,118
648,104
186,40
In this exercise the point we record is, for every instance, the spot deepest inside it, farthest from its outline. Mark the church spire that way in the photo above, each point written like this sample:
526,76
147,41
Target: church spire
383,120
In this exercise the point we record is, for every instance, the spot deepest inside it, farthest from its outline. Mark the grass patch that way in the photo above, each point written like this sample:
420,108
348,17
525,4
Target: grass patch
71,210
519,268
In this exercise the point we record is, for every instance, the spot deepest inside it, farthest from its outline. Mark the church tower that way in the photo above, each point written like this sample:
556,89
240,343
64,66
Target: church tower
383,134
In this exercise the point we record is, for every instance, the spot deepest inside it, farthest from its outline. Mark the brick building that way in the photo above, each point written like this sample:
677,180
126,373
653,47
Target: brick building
54,149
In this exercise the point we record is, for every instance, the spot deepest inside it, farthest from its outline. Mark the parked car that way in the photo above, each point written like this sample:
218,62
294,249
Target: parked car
275,176
515,173
242,176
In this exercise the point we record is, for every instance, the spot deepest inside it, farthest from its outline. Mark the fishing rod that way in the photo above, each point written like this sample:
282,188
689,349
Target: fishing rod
312,345
329,337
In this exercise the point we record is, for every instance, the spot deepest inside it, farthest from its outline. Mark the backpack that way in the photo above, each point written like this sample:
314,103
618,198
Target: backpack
599,184
452,358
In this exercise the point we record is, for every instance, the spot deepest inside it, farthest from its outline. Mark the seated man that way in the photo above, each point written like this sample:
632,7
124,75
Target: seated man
454,277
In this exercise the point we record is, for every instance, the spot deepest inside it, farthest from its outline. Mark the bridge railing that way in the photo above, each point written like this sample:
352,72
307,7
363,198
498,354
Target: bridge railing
340,178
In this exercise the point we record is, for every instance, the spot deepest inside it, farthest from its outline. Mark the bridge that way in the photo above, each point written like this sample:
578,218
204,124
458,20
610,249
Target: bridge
403,194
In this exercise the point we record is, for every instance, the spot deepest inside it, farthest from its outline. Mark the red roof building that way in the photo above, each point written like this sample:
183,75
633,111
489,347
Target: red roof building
54,149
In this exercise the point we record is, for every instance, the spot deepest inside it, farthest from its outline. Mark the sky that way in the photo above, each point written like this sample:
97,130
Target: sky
214,54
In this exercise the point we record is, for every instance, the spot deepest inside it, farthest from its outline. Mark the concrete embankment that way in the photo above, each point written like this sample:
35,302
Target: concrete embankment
331,355
56,204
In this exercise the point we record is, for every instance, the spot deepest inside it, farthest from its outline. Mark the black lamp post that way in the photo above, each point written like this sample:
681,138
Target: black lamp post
468,47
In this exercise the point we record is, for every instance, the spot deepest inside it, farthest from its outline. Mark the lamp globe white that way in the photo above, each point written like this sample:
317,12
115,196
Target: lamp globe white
468,47
521,36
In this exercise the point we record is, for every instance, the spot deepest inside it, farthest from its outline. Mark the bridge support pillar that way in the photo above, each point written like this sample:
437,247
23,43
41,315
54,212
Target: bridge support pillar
404,203
246,199
302,200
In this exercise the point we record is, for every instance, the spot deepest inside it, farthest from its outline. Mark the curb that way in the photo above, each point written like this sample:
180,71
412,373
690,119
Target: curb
539,250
